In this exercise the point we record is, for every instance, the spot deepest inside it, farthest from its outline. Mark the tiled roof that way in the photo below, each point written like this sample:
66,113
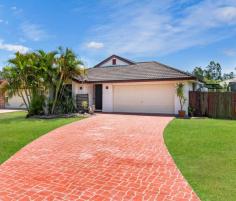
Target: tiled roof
135,72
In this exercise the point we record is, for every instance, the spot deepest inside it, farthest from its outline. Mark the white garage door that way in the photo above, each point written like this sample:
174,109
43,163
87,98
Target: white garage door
144,98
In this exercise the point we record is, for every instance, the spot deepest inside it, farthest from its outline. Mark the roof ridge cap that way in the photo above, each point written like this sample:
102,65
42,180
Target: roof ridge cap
112,66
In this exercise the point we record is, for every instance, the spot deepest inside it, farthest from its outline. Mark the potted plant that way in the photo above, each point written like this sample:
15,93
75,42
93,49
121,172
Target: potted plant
182,98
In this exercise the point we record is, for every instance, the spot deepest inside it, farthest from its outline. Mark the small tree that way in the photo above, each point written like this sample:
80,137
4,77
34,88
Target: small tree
67,66
180,94
199,72
213,71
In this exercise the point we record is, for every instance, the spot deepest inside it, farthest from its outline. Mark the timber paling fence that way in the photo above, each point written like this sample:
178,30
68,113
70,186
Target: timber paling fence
213,104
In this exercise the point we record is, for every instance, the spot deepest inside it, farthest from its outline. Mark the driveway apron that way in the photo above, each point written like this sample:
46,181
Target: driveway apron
104,157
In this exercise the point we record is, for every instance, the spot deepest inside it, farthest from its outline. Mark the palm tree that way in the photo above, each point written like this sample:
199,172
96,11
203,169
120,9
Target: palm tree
67,67
36,75
45,63
20,77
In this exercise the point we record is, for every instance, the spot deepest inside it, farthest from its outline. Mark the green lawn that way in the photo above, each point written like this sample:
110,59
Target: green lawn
205,152
16,131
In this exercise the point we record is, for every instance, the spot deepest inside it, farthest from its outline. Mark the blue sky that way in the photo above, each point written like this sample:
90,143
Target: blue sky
183,33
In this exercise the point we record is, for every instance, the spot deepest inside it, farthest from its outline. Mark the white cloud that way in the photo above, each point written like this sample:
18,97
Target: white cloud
95,45
16,11
33,32
227,14
13,47
210,15
13,7
160,28
230,52
3,21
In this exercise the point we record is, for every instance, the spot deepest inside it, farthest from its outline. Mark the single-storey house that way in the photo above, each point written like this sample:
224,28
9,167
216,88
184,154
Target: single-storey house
117,84
120,85
14,102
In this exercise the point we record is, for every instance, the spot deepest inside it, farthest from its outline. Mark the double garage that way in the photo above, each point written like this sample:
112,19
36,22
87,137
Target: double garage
145,98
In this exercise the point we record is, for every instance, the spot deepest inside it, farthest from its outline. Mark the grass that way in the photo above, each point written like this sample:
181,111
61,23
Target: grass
205,152
16,131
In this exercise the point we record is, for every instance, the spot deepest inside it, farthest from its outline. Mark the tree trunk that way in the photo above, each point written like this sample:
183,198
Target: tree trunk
56,94
181,106
23,98
61,91
26,92
27,96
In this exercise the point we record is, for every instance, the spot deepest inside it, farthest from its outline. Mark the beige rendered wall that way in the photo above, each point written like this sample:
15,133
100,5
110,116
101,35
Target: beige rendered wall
187,87
161,95
78,88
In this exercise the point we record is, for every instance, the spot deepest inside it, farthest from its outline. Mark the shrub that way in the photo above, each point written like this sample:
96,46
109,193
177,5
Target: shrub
84,105
36,105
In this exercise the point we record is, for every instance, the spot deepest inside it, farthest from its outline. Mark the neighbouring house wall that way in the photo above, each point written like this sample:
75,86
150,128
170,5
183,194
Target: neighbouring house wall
107,98
15,102
118,62
86,89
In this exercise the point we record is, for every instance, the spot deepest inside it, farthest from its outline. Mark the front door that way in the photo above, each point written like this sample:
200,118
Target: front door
98,96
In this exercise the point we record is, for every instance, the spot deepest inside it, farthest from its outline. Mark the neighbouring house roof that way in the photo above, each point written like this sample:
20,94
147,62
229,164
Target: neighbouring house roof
231,80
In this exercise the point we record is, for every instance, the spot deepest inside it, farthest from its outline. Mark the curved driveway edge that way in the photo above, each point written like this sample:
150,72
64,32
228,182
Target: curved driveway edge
105,157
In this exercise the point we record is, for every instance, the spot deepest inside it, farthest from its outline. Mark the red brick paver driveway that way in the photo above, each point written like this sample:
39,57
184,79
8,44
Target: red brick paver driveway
106,157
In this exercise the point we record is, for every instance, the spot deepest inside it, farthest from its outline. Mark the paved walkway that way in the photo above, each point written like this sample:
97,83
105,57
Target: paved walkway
8,110
105,157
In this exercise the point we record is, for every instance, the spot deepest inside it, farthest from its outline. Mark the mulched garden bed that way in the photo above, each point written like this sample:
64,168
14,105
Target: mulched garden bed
60,116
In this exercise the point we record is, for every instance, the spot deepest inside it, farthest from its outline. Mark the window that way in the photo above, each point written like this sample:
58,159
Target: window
113,61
